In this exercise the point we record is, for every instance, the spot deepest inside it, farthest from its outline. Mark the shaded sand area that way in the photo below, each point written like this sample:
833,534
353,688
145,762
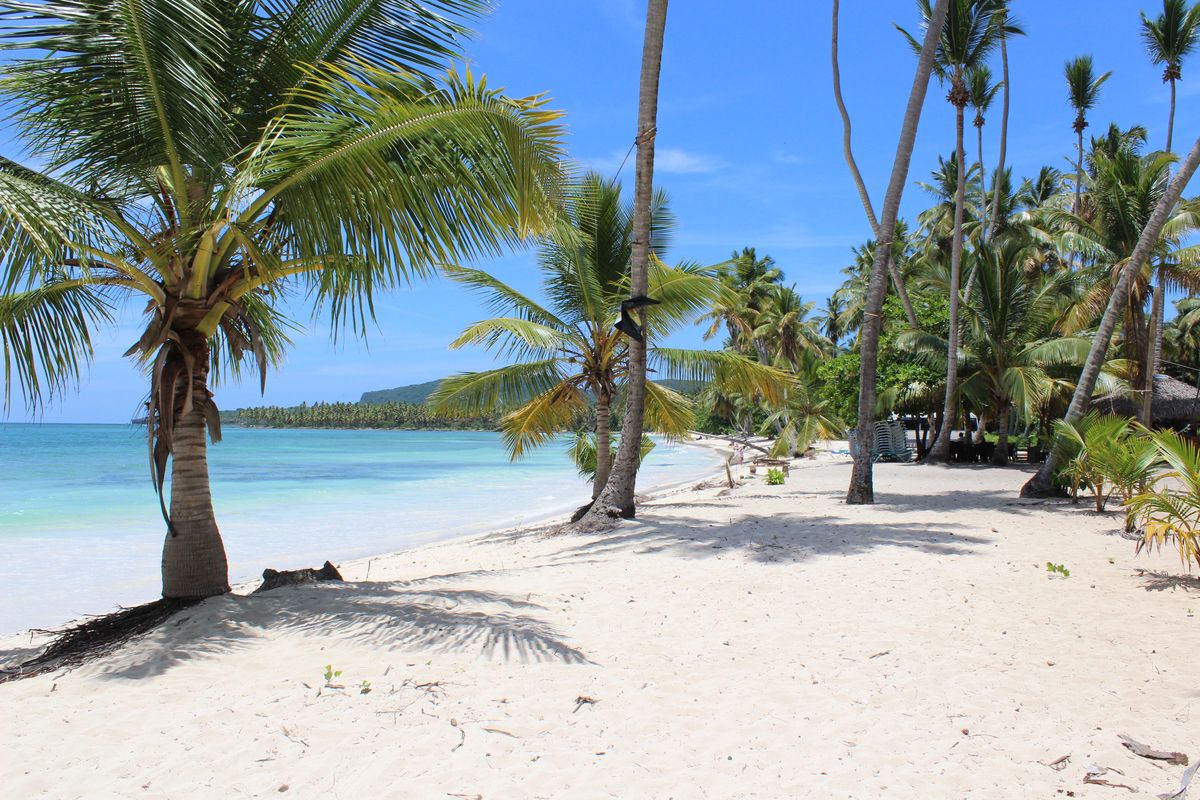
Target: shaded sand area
767,642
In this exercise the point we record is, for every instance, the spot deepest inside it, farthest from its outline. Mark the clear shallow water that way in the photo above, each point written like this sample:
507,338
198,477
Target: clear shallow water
80,529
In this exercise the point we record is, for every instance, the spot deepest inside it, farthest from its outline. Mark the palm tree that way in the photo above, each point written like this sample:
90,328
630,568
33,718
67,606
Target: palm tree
861,490
786,332
982,92
748,282
1083,92
1124,187
1005,26
618,499
830,318
969,35
207,157
1008,341
852,165
568,352
1168,39
1042,482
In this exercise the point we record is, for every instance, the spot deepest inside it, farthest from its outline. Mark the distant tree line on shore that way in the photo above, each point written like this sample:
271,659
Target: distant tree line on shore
398,416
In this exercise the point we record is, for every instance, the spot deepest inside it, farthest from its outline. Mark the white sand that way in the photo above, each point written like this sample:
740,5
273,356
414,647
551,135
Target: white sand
770,643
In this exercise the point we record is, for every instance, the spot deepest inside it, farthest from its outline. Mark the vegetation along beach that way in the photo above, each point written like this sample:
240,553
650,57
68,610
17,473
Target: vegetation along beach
457,399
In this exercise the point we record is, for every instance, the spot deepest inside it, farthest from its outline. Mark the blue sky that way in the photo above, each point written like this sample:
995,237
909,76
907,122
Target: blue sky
749,148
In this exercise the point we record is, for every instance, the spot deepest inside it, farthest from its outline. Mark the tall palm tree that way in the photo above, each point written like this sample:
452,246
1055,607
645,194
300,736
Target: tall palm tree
1006,26
1168,39
852,165
749,282
568,351
618,497
204,157
968,37
1042,482
982,92
787,333
861,490
1083,92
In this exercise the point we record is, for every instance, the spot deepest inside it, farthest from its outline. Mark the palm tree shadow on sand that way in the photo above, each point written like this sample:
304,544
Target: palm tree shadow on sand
400,616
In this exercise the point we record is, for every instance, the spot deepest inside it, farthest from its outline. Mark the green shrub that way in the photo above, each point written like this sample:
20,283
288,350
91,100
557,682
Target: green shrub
775,477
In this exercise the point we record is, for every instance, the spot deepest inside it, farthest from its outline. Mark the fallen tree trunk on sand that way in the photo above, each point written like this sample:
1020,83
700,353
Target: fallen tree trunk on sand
274,579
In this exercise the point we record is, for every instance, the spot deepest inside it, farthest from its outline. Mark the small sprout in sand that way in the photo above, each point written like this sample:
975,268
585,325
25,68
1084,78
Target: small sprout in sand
1057,570
775,477
330,674
364,687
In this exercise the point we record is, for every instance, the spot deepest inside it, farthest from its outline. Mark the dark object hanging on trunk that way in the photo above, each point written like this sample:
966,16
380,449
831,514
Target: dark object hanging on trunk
626,325
273,579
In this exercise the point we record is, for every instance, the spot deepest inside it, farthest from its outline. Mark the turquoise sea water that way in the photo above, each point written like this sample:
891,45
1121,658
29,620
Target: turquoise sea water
80,529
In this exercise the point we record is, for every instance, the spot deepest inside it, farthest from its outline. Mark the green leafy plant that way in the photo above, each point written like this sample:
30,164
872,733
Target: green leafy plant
775,477
1057,569
330,674
1112,456
1171,513
364,687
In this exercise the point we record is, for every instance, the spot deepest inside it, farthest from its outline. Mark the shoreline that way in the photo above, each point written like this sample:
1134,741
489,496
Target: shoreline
121,575
911,646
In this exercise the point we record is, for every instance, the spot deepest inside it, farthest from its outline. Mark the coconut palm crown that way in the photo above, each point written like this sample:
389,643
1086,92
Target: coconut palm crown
568,353
203,158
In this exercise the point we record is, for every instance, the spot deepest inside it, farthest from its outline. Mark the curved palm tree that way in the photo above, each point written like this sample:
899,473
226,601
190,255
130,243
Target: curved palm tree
202,157
1168,39
1124,187
1006,26
1083,92
970,33
568,352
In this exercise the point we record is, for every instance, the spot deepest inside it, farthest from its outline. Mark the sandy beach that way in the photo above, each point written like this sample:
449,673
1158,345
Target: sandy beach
761,642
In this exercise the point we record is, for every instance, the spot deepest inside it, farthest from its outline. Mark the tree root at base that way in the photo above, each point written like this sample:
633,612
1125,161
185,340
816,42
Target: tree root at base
97,637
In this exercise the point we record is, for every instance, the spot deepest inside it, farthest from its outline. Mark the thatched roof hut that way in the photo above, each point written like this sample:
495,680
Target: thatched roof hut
1175,405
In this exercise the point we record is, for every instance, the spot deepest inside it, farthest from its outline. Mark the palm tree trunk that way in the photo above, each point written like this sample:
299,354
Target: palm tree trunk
617,499
1154,358
1042,483
193,558
1000,454
603,443
1153,351
940,452
1078,174
983,183
862,489
995,216
1171,118
863,194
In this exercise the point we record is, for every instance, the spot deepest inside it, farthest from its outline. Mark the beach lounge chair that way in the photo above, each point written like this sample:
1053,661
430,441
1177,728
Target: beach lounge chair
890,443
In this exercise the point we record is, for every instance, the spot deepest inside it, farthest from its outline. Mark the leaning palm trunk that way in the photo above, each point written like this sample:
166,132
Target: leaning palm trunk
862,489
863,194
1042,483
193,559
1154,353
941,445
617,499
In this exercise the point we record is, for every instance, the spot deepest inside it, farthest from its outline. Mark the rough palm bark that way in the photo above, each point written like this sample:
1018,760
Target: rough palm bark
940,451
193,559
603,443
861,489
1041,484
1000,454
617,499
863,194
